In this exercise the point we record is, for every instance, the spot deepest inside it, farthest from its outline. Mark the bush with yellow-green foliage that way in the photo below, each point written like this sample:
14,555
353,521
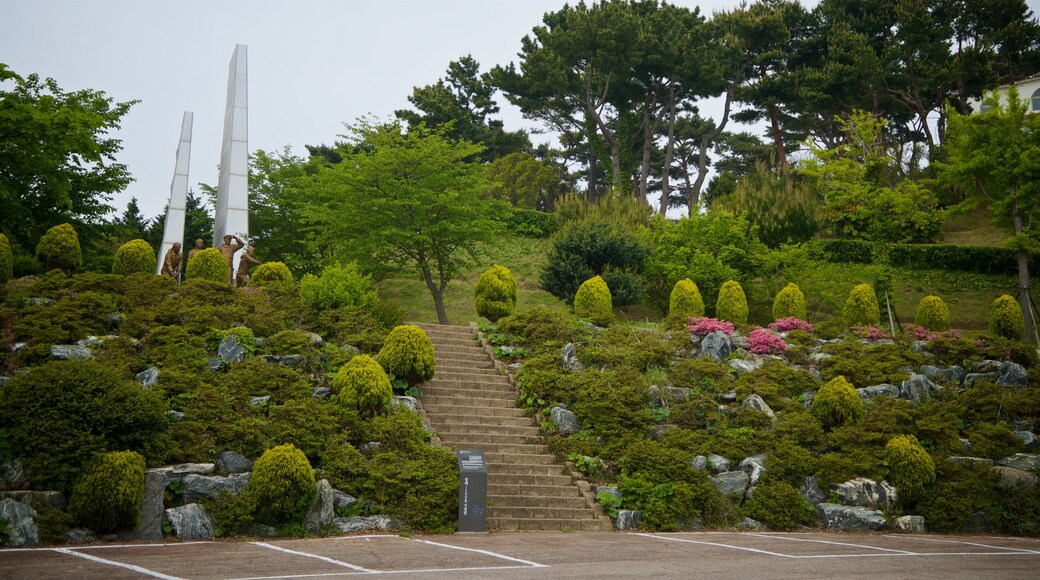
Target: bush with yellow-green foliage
932,314
779,505
362,385
837,403
911,469
271,273
495,293
108,497
861,307
282,485
6,260
593,302
1006,318
685,300
209,264
408,354
59,248
731,305
790,303
133,257
338,286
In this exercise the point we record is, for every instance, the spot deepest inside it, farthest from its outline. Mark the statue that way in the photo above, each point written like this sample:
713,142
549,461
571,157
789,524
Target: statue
228,250
199,246
172,263
245,264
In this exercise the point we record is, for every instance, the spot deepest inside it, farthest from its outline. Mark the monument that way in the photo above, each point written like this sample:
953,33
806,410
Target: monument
173,227
232,211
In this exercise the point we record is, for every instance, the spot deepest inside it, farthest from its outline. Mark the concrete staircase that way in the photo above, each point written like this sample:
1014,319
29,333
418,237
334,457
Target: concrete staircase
470,405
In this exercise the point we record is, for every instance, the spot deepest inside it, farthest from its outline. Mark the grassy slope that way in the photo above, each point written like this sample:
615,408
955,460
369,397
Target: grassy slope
974,228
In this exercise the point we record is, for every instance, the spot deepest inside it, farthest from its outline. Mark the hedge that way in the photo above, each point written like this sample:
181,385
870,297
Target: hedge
531,223
1002,261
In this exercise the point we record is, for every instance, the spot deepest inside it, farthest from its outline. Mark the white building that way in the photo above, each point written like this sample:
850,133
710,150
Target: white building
1028,89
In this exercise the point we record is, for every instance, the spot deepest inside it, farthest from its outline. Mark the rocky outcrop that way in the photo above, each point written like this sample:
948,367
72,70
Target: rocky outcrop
628,519
21,523
850,518
565,421
360,524
866,492
199,487
190,522
322,510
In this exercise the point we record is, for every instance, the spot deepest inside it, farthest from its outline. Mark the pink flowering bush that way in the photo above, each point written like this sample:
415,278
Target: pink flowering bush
914,332
761,341
703,326
869,332
791,323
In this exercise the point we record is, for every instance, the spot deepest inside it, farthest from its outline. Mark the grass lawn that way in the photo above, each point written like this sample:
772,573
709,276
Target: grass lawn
974,228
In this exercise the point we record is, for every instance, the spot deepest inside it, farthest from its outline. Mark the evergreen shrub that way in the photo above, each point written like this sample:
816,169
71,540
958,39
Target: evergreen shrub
536,326
1006,318
338,286
932,314
282,485
732,303
592,302
135,256
209,264
6,260
837,403
408,353
685,300
861,307
108,497
779,505
363,386
244,336
495,293
59,248
790,303
911,469
591,247
271,273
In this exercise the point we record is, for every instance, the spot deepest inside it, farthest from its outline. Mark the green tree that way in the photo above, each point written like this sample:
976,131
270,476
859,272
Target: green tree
525,181
57,159
198,222
405,199
995,157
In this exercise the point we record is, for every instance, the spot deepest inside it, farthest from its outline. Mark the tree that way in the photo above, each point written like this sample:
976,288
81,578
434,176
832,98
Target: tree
406,199
132,223
198,222
57,160
525,181
995,156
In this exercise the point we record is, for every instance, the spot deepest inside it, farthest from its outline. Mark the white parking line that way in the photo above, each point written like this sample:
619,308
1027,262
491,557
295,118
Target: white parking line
526,563
717,544
963,543
137,569
315,556
790,539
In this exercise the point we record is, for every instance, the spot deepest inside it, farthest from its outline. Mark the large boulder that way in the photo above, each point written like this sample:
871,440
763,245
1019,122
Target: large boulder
850,518
199,487
971,462
1023,461
360,524
812,491
21,523
952,375
566,422
177,472
148,377
663,396
717,346
745,365
866,492
570,357
1010,476
718,463
917,388
912,524
1028,439
971,379
756,402
882,390
149,527
1012,375
190,522
628,519
55,499
754,466
234,462
230,350
731,482
70,352
322,510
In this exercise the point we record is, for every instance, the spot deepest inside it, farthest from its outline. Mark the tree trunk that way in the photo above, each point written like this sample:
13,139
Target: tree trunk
669,152
1029,332
702,163
778,138
438,295
591,108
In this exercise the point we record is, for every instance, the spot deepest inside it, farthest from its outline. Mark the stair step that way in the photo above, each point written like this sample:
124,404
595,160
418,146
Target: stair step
513,430
468,376
579,525
528,479
463,362
519,458
457,418
470,391
532,490
435,411
524,469
540,512
459,350
522,448
469,384
460,402
476,440
540,501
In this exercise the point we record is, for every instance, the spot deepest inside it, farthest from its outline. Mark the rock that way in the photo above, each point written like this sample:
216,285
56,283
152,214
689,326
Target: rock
912,524
230,350
1011,476
716,345
322,510
1020,425
987,366
90,341
754,401
699,462
591,326
234,462
148,377
149,527
112,321
816,374
882,390
657,432
728,397
979,522
21,523
719,463
565,421
1012,375
177,472
628,519
744,365
661,396
369,448
819,356
342,501
731,482
850,518
320,392
190,522
215,365
350,349
971,379
54,499
18,346
288,360
1023,461
750,524
515,366
70,352
81,536
314,338
404,401
812,491
260,401
261,531
919,346
965,444
609,490
953,375
570,357
360,524
971,462
12,475
1028,439
917,388
175,416
198,487
754,466
866,492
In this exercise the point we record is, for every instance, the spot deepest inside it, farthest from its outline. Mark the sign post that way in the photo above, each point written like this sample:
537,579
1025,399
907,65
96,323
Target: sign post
472,491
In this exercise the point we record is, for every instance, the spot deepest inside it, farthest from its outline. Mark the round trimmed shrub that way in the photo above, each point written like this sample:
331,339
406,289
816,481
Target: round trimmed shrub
837,403
271,273
282,485
593,302
408,353
1006,318
861,307
790,303
59,248
108,497
362,385
495,293
932,314
133,257
338,286
685,300
6,260
911,469
732,303
209,264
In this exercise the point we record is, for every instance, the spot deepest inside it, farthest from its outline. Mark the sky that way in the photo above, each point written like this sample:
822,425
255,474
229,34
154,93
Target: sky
313,65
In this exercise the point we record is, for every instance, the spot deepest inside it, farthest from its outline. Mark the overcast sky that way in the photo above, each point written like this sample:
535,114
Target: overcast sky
313,65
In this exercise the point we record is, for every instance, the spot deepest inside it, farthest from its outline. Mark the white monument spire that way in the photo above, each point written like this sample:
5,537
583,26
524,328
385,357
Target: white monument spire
173,227
232,211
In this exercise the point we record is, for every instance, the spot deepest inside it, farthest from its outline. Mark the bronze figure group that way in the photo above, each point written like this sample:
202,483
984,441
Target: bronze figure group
173,260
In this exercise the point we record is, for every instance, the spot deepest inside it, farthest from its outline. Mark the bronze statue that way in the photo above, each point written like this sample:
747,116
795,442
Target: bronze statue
172,262
245,265
228,250
199,246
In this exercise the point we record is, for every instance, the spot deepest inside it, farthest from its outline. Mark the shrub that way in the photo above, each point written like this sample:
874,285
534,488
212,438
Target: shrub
495,293
933,314
732,304
312,425
861,307
6,260
338,286
761,341
703,326
419,486
59,248
108,497
408,354
209,264
837,403
911,469
779,505
791,324
133,257
1006,318
594,247
593,302
362,385
270,274
255,377
790,303
536,326
685,300
290,342
282,485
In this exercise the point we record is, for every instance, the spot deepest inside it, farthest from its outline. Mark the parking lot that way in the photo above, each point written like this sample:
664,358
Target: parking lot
545,555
